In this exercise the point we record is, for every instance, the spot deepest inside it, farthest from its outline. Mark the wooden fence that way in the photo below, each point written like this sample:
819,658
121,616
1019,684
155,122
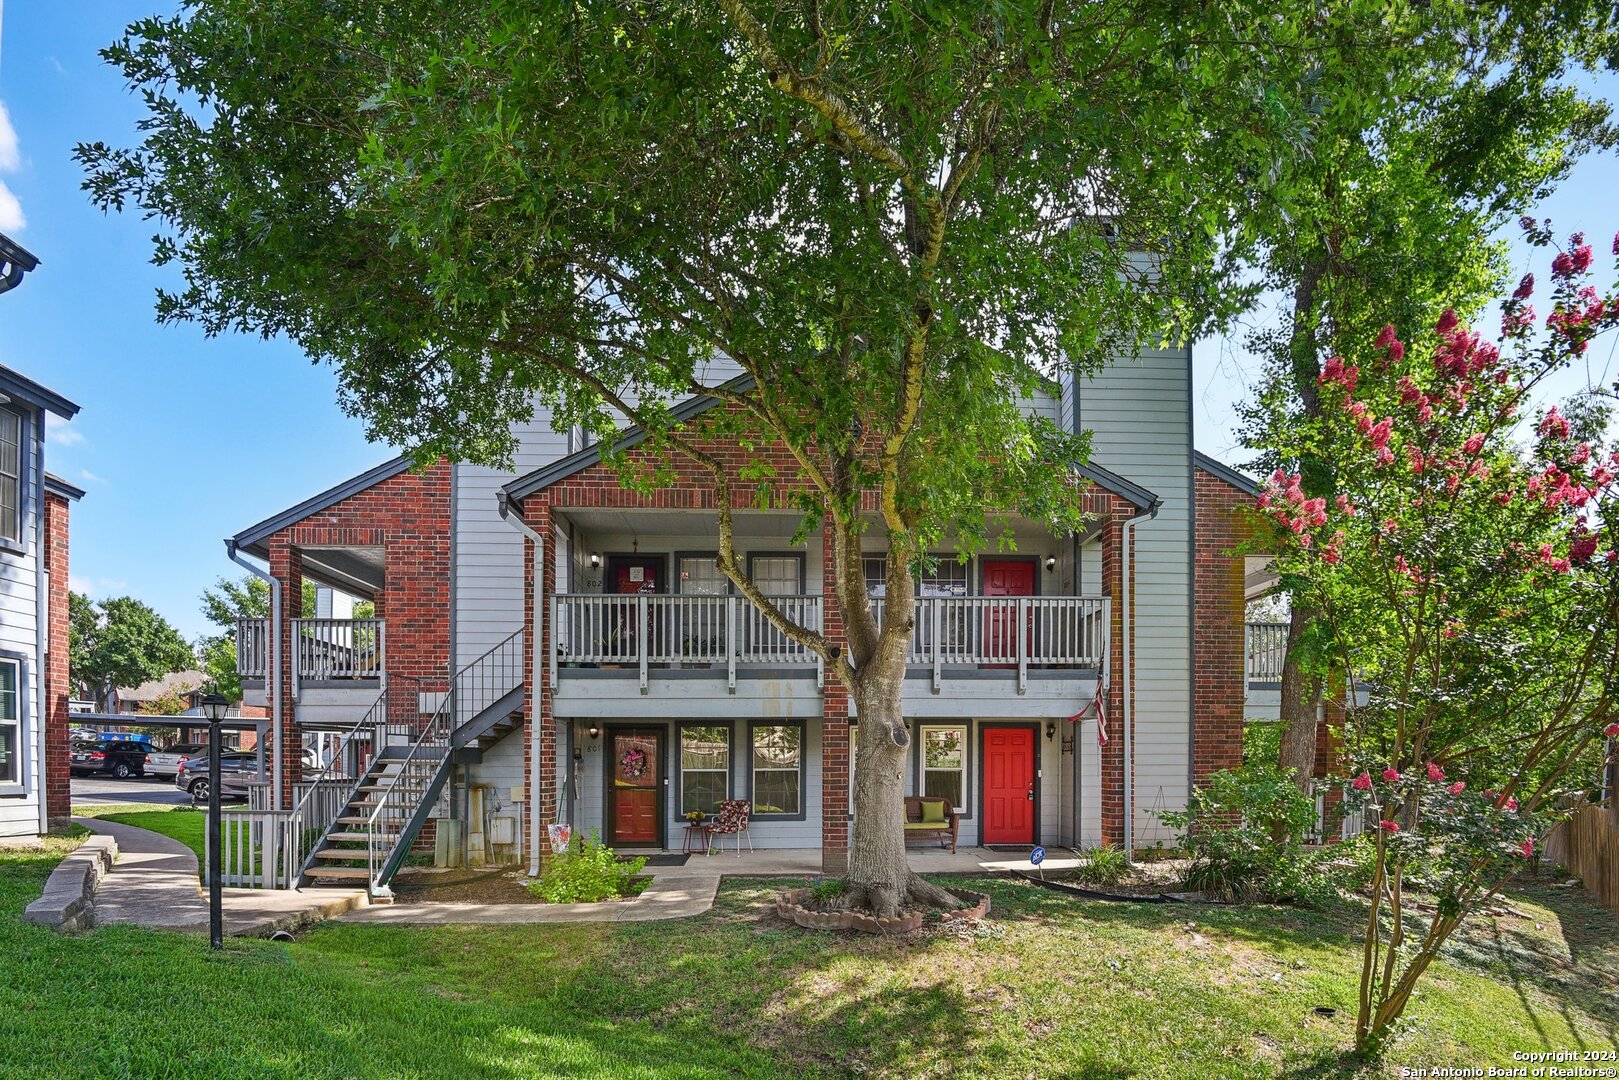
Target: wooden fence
1588,844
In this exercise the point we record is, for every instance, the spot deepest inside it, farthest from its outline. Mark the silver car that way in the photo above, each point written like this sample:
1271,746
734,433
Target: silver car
167,762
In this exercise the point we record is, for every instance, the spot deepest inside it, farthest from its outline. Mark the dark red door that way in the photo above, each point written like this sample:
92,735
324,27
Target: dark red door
1005,578
1008,762
630,576
635,788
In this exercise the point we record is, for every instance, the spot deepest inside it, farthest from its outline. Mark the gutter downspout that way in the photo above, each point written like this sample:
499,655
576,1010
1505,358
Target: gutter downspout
272,681
1127,622
503,505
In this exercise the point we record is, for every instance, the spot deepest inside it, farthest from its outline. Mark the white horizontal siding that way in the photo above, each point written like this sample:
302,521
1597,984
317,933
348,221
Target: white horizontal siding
1139,411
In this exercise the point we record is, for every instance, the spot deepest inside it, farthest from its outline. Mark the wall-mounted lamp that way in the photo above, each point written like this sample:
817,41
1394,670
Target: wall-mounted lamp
595,560
1051,563
1051,730
594,731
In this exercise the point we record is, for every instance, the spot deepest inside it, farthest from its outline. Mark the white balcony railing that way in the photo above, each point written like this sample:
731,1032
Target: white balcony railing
252,648
954,631
1265,646
322,649
641,630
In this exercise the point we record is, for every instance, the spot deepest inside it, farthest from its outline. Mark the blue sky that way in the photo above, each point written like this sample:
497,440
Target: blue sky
184,440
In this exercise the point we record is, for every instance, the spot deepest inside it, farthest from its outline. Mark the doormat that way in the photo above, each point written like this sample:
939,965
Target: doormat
667,860
1011,849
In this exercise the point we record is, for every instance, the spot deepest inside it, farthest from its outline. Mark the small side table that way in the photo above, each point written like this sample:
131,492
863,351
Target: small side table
697,839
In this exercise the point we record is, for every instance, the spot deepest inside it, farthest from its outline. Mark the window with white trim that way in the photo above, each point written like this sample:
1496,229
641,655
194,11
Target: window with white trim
778,769
10,722
705,767
944,763
10,475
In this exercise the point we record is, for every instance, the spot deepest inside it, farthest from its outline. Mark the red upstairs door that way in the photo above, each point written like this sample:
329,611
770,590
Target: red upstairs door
1005,577
1008,763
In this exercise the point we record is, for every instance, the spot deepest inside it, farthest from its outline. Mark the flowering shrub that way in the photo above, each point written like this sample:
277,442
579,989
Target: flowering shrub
1465,569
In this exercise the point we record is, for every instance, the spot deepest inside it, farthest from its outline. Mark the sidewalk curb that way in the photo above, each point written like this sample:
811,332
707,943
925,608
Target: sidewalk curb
69,900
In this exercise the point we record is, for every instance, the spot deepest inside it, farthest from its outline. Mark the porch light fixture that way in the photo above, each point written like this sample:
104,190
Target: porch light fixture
595,560
1051,563
214,707
595,732
1051,730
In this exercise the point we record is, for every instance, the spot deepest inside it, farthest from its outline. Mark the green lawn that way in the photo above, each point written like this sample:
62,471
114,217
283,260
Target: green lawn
1046,988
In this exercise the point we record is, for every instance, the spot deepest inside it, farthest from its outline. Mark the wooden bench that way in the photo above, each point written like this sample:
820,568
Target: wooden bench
918,830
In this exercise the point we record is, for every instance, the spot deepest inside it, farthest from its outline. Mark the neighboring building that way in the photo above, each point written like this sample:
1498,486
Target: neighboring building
624,685
187,686
34,510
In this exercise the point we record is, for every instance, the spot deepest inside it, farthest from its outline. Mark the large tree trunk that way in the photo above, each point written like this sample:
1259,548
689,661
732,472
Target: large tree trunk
1301,702
1301,690
880,878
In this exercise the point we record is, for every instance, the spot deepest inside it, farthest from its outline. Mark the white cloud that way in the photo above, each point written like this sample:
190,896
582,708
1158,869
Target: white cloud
96,588
80,584
11,215
89,477
59,432
10,158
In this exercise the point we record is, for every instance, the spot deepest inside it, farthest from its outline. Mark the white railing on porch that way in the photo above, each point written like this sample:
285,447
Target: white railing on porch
337,649
1265,645
266,849
252,648
644,629
951,631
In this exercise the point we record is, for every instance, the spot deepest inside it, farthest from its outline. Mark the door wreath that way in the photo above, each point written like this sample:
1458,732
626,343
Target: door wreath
632,765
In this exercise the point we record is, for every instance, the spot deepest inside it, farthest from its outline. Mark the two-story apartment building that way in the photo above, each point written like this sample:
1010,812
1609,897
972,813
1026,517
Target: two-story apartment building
34,508
550,647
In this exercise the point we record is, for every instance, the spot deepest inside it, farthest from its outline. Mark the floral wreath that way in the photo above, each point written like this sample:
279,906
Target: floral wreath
633,764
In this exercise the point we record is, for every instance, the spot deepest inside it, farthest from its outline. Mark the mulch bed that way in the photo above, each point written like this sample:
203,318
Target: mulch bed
480,885
799,906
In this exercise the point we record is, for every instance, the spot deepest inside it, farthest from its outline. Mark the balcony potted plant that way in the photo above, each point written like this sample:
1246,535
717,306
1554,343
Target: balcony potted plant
700,647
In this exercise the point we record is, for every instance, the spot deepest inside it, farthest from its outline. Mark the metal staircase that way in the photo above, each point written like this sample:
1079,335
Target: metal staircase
371,836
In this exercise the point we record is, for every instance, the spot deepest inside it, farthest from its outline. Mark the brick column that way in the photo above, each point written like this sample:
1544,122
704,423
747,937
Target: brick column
835,748
538,706
58,795
1223,527
287,567
1113,753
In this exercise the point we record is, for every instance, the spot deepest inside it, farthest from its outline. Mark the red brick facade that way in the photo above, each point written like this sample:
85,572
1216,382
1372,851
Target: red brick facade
55,684
1225,524
408,517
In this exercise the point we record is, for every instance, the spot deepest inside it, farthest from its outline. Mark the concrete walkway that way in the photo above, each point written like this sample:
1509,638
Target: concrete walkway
679,891
154,884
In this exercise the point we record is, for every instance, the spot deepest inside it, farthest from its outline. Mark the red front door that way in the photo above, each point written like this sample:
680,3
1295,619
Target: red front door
635,788
1008,762
1005,578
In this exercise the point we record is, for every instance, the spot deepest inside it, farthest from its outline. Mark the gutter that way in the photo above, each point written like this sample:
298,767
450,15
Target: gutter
273,682
536,667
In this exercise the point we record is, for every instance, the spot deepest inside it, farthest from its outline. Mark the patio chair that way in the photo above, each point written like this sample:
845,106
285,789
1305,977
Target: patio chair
732,821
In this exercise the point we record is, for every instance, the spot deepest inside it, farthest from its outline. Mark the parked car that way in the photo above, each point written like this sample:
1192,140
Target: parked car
119,757
235,767
167,762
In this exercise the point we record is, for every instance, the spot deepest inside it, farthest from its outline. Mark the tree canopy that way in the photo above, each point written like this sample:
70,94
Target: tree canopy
118,643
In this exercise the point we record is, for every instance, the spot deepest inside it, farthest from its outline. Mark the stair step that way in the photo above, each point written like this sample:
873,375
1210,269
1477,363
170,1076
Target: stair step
339,873
340,854
352,837
361,819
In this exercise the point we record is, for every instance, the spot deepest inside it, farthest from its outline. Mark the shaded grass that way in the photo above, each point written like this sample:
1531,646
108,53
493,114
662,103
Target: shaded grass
1046,987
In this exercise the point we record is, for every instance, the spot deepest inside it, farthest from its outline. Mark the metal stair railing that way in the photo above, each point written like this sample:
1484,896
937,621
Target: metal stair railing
398,814
312,819
490,677
388,824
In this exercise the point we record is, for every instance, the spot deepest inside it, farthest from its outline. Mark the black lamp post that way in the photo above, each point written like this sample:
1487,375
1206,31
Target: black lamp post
214,708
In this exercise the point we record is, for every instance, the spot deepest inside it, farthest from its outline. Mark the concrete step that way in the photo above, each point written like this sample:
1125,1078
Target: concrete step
342,854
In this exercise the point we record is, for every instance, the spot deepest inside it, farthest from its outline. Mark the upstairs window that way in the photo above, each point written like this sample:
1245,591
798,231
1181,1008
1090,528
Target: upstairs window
10,475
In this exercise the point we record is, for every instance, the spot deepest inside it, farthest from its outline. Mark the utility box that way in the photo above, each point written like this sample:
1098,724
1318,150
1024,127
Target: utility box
503,830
